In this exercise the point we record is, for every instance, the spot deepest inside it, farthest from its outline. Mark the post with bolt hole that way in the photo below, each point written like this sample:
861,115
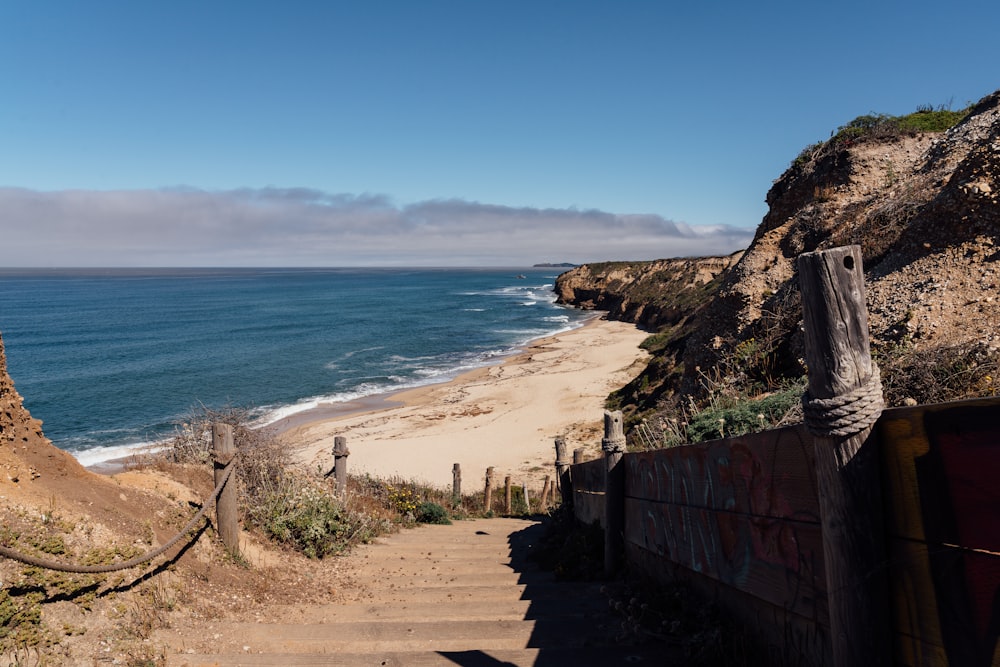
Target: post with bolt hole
841,405
613,445
563,472
226,512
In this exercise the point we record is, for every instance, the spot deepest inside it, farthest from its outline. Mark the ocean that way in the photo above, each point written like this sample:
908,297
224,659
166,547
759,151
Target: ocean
113,359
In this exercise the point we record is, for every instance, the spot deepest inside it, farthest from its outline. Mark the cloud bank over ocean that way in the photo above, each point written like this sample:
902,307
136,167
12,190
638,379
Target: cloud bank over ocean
304,227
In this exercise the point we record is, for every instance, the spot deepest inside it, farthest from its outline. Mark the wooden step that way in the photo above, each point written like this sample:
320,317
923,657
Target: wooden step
410,635
471,610
613,656
444,594
434,596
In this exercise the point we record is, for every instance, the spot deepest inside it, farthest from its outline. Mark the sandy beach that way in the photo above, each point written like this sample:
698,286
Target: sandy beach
505,416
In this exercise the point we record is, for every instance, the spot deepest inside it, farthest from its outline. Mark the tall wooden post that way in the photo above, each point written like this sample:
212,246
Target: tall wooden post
456,483
842,403
613,445
527,500
488,493
562,472
226,511
546,488
506,496
340,454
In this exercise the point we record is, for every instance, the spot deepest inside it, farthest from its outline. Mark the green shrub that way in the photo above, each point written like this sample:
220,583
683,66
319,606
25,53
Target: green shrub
431,512
739,417
885,126
929,120
308,519
21,620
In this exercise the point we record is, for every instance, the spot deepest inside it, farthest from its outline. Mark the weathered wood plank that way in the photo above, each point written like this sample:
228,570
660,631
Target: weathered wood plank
945,603
588,476
784,637
941,466
762,474
837,353
943,500
588,507
778,560
563,480
226,506
613,445
588,480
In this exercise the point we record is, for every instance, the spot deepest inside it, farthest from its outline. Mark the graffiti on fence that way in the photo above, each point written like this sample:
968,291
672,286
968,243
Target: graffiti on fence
943,501
742,511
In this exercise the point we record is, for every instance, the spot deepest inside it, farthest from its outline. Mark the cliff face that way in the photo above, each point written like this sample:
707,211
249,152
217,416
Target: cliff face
18,430
922,206
29,463
651,294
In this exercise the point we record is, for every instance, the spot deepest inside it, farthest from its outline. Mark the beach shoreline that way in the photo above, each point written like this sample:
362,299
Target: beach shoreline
506,415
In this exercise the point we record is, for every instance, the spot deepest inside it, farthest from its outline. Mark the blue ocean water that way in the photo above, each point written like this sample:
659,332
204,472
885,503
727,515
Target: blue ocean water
117,358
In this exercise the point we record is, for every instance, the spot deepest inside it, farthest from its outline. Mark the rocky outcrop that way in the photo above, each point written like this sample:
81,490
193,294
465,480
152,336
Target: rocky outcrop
26,455
652,294
924,208
925,212
17,427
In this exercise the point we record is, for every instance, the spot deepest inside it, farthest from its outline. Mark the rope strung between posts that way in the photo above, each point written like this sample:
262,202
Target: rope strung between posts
845,415
138,560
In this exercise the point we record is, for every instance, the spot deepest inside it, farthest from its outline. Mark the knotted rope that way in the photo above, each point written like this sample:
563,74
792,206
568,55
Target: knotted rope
138,560
845,415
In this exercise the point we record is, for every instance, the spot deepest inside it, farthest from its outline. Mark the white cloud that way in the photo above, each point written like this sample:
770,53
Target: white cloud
302,227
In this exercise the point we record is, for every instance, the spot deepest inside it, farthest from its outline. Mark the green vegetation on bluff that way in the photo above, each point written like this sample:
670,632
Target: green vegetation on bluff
880,126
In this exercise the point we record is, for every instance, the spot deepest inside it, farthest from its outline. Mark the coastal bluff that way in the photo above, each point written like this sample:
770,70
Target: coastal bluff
923,206
17,427
26,455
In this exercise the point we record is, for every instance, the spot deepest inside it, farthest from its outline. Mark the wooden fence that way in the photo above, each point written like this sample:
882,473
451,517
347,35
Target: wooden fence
739,519
904,518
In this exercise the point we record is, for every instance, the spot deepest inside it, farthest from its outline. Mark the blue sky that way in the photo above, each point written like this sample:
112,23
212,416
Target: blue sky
439,132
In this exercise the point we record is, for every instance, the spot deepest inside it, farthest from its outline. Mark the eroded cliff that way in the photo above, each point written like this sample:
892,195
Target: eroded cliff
924,208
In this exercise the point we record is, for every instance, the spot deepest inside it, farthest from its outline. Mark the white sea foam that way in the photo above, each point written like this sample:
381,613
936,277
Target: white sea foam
98,455
374,370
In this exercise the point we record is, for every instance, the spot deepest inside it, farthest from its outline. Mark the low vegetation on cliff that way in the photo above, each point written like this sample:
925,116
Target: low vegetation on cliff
917,192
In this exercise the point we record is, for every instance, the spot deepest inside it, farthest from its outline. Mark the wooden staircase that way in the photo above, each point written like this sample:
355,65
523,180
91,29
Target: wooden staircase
461,595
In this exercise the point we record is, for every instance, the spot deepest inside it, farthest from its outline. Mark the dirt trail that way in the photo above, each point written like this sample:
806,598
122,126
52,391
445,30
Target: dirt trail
463,594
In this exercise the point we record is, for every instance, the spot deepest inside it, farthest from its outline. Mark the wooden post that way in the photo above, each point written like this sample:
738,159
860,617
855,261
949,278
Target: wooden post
527,500
340,454
456,483
226,511
506,495
613,445
544,502
843,377
488,493
578,455
562,472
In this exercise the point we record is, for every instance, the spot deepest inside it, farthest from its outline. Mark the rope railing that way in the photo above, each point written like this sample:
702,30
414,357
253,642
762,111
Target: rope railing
138,560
